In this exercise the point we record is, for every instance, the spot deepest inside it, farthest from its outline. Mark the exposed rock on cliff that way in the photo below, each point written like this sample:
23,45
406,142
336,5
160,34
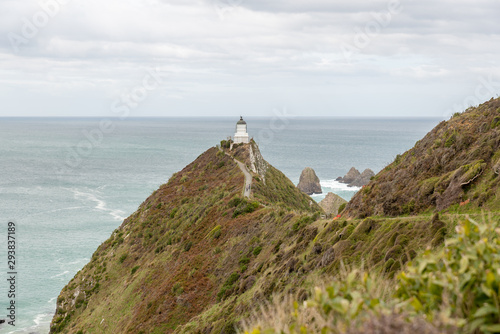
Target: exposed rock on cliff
309,182
331,203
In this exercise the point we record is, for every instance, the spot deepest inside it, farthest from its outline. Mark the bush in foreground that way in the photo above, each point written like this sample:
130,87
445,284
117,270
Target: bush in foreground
455,289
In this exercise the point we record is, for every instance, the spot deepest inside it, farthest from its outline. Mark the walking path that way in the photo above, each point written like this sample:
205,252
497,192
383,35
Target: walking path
248,176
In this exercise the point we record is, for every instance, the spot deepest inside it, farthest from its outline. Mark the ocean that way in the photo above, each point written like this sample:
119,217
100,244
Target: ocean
67,183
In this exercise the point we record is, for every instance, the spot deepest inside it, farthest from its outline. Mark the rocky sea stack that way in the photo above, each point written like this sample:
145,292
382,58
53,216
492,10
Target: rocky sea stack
354,178
331,203
309,182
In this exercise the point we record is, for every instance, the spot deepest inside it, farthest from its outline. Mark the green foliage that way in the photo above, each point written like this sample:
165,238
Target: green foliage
122,258
342,207
301,222
408,207
256,251
346,302
177,289
245,207
225,144
228,285
188,245
450,140
463,278
133,270
235,202
455,289
495,122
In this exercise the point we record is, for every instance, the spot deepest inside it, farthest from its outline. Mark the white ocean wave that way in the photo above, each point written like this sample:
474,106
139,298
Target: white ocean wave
101,205
336,185
61,274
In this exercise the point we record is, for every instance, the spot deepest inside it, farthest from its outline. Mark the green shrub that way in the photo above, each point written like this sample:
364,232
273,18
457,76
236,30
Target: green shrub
342,207
123,258
228,285
177,289
245,207
256,251
463,278
187,246
235,202
133,270
450,140
303,221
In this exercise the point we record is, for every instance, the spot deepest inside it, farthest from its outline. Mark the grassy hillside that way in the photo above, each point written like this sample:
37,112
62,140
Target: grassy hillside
457,162
190,249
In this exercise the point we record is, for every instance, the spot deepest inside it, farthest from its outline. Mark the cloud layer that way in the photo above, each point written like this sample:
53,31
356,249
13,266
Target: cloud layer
226,57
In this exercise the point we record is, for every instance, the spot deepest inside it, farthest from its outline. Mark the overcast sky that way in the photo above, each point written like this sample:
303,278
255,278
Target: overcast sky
231,57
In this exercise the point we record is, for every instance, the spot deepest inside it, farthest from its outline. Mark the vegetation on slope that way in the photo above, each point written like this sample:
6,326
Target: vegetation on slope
457,162
191,248
453,290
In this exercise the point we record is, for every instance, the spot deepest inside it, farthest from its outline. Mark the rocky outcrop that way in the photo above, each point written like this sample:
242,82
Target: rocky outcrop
354,178
351,175
257,163
309,182
331,203
363,179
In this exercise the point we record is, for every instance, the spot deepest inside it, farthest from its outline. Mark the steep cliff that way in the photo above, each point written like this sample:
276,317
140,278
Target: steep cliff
455,165
194,246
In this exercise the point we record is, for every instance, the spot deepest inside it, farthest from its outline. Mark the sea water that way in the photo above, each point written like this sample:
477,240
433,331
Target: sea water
68,183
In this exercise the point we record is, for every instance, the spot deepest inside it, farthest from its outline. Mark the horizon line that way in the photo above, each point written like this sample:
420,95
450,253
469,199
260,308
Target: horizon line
221,117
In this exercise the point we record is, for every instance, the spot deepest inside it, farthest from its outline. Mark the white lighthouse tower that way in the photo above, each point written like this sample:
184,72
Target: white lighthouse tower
241,135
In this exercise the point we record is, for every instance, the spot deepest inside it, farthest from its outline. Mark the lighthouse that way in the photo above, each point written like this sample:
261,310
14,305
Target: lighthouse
241,135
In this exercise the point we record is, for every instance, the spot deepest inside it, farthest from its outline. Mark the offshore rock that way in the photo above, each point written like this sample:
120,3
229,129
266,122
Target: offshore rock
354,178
351,176
309,182
363,179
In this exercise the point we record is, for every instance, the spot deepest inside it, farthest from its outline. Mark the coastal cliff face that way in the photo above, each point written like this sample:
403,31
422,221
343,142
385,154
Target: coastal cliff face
189,251
309,182
456,164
